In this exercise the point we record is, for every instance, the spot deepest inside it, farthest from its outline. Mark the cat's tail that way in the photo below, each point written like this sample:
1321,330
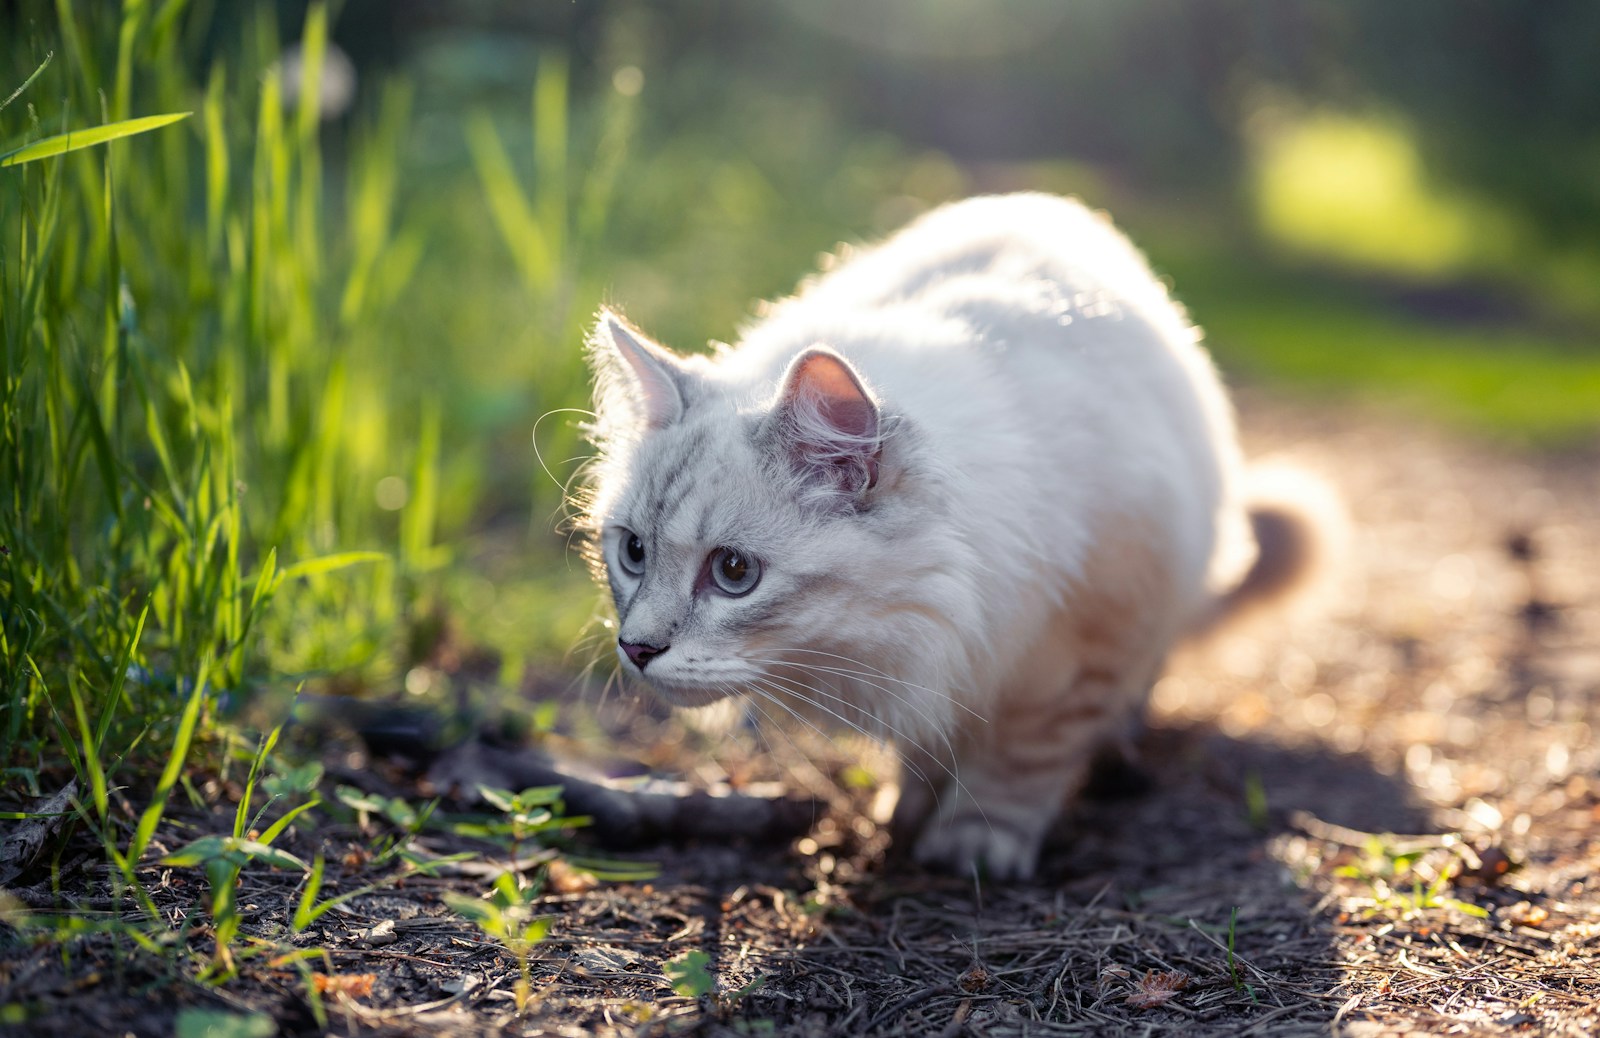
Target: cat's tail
1299,526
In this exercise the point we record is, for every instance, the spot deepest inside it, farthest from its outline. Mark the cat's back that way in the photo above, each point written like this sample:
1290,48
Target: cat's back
1012,282
1027,239
1005,296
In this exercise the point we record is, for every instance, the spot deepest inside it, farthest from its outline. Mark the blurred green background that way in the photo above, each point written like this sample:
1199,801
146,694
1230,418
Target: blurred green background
241,348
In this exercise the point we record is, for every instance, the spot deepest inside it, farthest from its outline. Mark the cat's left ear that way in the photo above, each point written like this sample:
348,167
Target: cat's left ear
653,377
829,422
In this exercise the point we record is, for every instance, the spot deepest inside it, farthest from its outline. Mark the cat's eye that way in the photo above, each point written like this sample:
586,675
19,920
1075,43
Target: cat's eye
733,572
630,553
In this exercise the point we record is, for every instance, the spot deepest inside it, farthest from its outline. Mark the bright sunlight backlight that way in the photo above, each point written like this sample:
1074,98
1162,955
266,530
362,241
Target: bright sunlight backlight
1354,190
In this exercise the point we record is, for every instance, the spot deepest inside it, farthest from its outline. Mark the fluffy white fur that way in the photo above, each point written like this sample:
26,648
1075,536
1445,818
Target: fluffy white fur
987,474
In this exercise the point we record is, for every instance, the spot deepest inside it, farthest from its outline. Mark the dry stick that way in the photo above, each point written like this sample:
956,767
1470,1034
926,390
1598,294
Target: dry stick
958,1021
855,1011
626,816
366,1015
1261,1021
1349,1004
1052,977
380,953
915,998
849,1001
892,938
832,994
1433,977
1403,843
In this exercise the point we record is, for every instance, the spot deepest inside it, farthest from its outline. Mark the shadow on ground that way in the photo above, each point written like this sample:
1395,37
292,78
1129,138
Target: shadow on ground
1137,900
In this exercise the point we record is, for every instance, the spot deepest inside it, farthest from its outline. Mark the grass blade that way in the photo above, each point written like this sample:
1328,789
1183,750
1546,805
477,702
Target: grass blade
305,912
417,523
120,677
74,140
105,457
187,725
329,563
513,216
242,814
26,83
91,750
276,829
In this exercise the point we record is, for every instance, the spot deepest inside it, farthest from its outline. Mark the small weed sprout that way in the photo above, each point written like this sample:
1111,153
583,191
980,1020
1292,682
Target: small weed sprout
507,917
407,819
506,914
222,858
527,814
689,975
1234,974
1389,864
1256,809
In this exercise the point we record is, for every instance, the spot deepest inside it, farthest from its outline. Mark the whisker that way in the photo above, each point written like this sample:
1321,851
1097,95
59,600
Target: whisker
819,783
774,691
537,453
868,668
905,761
915,708
799,693
777,700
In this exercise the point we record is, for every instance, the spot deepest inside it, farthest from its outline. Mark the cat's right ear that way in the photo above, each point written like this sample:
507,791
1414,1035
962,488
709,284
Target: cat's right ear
829,422
635,373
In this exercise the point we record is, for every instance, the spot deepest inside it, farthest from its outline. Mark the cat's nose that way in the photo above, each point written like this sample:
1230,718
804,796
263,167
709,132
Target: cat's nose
641,654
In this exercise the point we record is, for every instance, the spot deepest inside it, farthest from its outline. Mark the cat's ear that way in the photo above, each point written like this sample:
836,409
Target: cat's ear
828,421
633,372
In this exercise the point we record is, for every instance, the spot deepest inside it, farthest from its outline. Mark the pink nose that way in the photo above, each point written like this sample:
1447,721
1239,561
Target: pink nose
641,654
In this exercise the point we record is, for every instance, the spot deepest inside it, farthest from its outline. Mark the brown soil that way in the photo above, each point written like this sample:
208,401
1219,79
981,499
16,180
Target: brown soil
1444,692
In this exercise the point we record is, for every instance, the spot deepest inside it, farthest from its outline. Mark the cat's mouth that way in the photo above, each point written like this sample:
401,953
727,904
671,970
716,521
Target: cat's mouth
687,695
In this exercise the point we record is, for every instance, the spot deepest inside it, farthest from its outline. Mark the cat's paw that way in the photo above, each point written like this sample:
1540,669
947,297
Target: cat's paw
960,844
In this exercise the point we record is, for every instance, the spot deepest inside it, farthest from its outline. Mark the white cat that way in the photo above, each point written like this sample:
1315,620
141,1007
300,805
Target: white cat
964,492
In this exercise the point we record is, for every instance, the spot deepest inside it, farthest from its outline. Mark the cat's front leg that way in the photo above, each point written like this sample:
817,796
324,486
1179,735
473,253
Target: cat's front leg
1009,787
997,823
922,775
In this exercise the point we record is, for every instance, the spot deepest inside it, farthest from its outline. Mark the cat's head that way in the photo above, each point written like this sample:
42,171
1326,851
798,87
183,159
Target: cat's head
746,529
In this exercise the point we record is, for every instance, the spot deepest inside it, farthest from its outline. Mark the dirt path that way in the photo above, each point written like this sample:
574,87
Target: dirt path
1446,693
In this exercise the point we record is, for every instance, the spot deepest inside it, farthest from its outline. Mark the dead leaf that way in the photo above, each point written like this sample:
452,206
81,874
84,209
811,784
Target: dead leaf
351,985
564,879
21,846
974,980
1157,987
376,935
605,960
1525,913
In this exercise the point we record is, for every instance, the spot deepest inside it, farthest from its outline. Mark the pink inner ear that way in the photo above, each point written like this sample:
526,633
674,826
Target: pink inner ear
837,396
834,421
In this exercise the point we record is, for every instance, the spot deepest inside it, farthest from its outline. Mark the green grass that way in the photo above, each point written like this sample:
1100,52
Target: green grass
202,393
257,423
180,325
1511,383
243,402
1532,380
